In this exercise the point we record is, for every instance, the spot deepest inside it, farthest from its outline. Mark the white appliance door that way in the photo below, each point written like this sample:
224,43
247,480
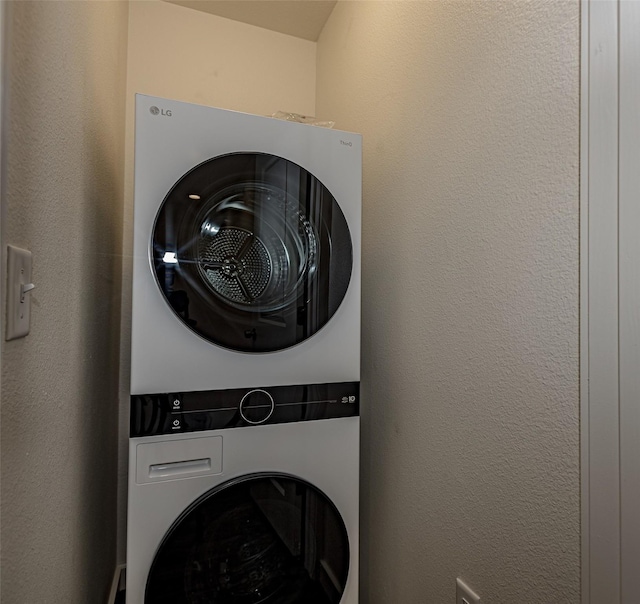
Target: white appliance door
260,539
251,252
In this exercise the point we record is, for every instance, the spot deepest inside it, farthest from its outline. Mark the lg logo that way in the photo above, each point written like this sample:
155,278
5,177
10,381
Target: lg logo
156,111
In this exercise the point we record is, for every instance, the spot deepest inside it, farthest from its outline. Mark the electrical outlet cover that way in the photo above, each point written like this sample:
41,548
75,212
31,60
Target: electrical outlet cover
464,594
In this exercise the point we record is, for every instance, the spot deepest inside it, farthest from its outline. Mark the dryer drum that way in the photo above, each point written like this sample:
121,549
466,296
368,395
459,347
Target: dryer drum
255,247
264,539
252,252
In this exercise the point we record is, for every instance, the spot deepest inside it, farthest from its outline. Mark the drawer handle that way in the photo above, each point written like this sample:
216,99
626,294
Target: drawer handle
177,468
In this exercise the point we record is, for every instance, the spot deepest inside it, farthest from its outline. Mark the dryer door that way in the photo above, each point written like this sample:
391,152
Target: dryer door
262,539
252,252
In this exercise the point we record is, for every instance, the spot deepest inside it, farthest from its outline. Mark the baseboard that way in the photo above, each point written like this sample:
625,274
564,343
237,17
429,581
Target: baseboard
117,584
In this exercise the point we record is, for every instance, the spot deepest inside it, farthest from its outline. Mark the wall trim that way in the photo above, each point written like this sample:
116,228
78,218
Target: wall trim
629,258
599,313
584,298
610,301
117,584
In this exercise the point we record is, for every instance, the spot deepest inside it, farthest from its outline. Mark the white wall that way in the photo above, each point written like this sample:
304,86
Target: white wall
179,53
469,112
63,199
470,117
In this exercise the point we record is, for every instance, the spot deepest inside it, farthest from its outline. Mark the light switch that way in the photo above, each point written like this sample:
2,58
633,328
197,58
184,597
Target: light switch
19,286
464,594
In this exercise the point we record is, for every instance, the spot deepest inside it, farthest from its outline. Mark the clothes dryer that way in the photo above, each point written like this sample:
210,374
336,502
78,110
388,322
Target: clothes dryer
246,268
225,511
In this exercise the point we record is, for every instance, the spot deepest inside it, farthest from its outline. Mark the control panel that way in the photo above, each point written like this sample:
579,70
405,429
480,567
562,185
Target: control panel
176,412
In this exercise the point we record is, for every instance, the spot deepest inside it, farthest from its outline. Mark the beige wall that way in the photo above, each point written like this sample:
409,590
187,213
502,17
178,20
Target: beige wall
64,183
179,53
469,112
187,55
470,116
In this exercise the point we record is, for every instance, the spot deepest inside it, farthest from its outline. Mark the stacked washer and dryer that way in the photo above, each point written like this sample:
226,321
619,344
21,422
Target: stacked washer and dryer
244,432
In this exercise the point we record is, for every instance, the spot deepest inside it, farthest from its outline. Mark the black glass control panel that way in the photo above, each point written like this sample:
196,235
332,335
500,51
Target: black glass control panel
176,412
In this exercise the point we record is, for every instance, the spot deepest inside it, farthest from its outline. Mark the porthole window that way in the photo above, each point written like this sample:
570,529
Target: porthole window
262,539
252,252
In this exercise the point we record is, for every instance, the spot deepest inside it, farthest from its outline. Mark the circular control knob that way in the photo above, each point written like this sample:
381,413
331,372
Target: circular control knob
256,406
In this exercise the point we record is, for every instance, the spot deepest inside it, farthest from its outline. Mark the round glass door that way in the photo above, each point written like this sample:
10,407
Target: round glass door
252,252
263,539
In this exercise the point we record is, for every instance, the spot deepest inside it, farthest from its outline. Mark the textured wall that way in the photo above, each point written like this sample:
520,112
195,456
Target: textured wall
64,199
183,54
469,112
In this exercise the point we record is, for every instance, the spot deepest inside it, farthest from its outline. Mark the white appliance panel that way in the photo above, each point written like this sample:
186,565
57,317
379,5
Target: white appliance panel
323,453
168,357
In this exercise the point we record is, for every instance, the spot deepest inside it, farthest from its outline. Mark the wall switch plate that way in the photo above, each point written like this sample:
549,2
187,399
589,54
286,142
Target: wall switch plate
19,288
464,594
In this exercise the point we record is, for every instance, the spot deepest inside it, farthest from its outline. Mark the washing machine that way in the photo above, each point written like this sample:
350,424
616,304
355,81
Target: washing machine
245,497
244,420
246,252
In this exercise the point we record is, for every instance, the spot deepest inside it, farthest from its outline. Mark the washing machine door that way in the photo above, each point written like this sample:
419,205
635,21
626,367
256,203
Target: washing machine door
263,539
252,252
